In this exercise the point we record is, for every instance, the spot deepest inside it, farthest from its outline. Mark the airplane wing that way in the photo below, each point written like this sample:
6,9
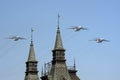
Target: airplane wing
83,28
22,38
106,40
11,37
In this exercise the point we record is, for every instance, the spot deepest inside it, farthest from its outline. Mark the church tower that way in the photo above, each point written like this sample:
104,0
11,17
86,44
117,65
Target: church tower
58,69
31,64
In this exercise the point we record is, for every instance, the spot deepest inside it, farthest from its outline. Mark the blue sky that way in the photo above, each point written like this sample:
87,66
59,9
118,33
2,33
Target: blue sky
93,61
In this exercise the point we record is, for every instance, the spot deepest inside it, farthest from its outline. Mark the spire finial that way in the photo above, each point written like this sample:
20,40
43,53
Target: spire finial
58,42
58,20
31,52
32,34
74,64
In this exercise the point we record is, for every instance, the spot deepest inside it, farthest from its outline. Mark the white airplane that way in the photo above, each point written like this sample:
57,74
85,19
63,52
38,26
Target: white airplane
100,40
77,28
16,38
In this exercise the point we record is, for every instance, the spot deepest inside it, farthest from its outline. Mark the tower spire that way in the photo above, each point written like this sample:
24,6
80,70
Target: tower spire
31,52
58,43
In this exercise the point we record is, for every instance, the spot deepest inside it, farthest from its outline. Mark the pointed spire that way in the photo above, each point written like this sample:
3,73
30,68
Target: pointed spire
31,52
58,43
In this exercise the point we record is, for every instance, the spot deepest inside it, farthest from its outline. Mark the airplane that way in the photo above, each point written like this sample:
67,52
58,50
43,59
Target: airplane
78,28
100,40
16,38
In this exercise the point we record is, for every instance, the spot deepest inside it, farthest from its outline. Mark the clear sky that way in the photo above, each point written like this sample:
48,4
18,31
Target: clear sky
93,61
